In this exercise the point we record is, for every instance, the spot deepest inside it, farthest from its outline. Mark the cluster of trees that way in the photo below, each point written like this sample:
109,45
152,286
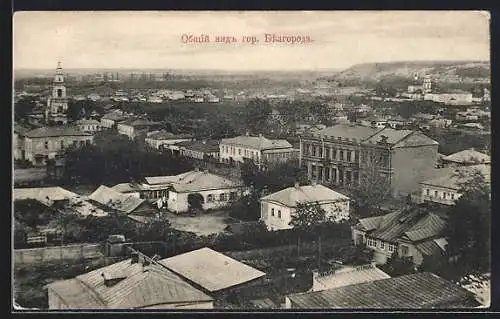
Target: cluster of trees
23,107
114,159
453,140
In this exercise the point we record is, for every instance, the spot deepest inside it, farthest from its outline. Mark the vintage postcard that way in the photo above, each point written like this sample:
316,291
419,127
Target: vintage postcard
256,161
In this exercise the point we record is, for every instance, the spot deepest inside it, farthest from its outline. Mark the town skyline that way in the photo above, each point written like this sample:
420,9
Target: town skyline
152,40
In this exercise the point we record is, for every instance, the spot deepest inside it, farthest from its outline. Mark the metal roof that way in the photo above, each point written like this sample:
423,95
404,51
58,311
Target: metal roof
195,181
211,270
141,286
469,156
291,196
349,275
415,291
44,194
256,142
55,131
111,198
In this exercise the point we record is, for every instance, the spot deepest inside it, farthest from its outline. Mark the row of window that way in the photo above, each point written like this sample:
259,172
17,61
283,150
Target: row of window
373,243
62,145
331,153
331,174
222,197
436,194
272,213
241,152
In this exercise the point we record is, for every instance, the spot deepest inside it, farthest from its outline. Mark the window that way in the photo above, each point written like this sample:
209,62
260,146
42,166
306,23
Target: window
210,198
444,195
427,192
82,143
391,248
348,156
279,213
313,151
452,196
272,212
222,197
341,155
404,250
232,196
239,151
356,156
46,145
332,153
382,245
371,242
320,151
62,145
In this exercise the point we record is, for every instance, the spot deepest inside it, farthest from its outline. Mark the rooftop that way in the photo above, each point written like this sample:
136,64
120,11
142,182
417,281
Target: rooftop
256,142
138,286
111,198
412,225
44,194
164,135
291,196
416,291
349,275
87,122
469,156
115,115
127,187
54,131
138,122
448,177
193,181
348,131
209,146
211,270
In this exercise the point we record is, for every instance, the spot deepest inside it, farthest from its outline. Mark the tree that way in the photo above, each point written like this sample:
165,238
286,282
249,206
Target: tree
468,227
157,228
398,266
373,190
22,108
256,114
310,216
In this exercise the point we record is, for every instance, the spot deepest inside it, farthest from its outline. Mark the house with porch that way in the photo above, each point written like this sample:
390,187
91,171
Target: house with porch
278,208
411,234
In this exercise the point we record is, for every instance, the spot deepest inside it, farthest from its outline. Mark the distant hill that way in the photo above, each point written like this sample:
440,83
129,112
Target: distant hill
378,71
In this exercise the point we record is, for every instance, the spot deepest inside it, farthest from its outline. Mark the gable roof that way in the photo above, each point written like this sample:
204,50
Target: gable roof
55,131
256,142
433,247
194,181
111,198
139,288
469,156
350,276
413,225
138,122
447,177
291,196
44,194
211,270
115,115
416,291
127,187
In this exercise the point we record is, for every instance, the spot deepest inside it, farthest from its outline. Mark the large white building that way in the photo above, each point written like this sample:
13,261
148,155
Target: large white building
258,149
278,208
57,103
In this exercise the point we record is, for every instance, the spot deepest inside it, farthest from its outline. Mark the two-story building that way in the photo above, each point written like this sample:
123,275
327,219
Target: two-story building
50,142
342,154
278,208
258,149
135,127
413,234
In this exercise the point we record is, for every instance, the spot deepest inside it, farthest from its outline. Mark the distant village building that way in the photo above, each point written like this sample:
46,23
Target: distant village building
374,122
134,127
258,149
460,98
278,208
112,118
409,234
466,157
89,126
416,291
57,104
201,149
341,154
46,143
444,186
163,139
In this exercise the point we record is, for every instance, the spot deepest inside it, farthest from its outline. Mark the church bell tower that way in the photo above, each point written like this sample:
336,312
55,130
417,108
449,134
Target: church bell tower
57,104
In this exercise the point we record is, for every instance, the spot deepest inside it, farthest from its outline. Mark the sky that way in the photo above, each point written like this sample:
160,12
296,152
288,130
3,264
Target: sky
121,39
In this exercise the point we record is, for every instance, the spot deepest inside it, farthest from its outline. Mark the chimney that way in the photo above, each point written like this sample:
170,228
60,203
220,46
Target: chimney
205,171
260,135
134,257
296,185
196,169
247,133
383,139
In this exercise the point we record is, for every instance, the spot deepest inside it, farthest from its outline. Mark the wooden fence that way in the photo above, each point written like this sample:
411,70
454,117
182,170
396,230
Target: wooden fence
56,253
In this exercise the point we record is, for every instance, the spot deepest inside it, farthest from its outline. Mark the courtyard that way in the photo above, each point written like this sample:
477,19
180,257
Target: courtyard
202,224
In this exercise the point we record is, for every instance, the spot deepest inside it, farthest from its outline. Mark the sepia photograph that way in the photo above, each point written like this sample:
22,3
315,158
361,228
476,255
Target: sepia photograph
251,161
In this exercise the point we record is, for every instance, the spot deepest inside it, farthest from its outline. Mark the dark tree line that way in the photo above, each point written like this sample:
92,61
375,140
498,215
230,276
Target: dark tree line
115,158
